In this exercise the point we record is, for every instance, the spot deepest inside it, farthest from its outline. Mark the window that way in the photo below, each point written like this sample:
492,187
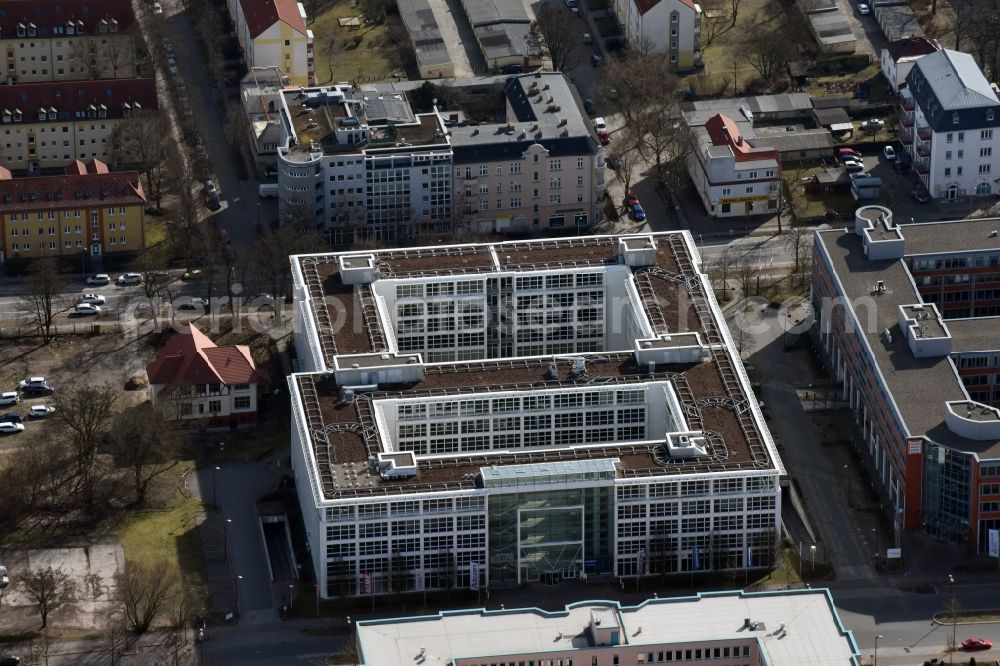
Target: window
484,170
954,119
555,165
947,171
986,134
985,152
947,154
961,137
984,168
242,402
950,137
214,406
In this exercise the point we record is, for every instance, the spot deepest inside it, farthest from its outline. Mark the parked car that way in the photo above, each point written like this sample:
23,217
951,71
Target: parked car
631,199
157,8
9,398
572,6
587,38
10,417
841,152
191,303
11,428
636,212
599,124
31,381
4,577
920,196
192,275
10,660
126,279
36,390
889,153
94,299
588,106
40,411
603,137
86,309
864,9
854,166
596,60
213,198
99,279
977,643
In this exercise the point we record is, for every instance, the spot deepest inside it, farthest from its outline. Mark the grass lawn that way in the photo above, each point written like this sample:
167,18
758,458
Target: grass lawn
813,205
722,58
168,535
156,230
378,57
841,84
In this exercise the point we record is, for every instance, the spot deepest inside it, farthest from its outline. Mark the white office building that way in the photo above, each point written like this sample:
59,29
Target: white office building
485,415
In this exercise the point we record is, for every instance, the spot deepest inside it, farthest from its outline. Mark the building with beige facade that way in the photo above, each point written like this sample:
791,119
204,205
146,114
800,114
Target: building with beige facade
88,210
782,628
273,33
66,40
48,125
365,166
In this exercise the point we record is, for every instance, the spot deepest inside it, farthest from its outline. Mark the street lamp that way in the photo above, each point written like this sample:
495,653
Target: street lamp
847,472
291,589
215,497
953,610
225,536
236,589
875,532
875,660
812,554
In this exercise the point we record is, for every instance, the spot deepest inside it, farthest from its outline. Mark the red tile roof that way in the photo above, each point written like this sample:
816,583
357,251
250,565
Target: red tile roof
49,14
645,5
190,357
724,132
262,14
910,47
94,185
72,98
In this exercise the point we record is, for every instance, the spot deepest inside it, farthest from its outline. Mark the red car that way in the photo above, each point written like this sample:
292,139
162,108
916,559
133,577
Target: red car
632,199
602,135
976,644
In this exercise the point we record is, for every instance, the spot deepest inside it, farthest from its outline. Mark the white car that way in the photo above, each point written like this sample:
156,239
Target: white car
4,577
40,411
9,398
93,299
599,124
157,8
31,381
864,9
889,153
129,278
99,279
191,303
8,428
87,309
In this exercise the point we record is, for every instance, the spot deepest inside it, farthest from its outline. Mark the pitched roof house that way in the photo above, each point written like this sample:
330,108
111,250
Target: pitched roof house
193,379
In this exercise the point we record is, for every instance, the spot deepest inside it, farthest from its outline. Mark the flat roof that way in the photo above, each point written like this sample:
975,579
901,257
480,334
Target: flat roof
919,386
979,334
792,627
347,321
953,236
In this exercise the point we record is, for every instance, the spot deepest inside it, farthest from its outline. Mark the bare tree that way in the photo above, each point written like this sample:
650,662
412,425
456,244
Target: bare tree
137,142
554,37
623,76
743,339
144,592
798,241
41,299
83,57
718,18
270,254
627,156
786,204
83,413
745,270
767,51
145,443
332,47
48,590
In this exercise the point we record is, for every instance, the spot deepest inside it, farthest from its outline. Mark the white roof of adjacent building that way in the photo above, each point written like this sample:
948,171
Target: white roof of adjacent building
956,80
794,628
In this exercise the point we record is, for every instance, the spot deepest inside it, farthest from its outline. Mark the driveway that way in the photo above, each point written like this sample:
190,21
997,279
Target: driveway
865,28
238,215
234,488
458,37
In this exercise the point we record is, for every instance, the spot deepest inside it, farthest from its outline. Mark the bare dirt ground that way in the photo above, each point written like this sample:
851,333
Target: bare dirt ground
65,362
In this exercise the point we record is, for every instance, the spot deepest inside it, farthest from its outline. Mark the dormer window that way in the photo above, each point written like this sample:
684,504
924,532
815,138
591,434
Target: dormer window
41,114
954,119
102,111
102,26
91,111
21,30
32,30
53,114
114,25
17,115
6,116
70,28
989,115
79,28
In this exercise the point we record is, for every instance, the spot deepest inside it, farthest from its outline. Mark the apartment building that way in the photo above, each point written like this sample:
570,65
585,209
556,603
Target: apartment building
273,33
48,125
907,321
67,40
897,58
87,210
203,385
950,125
781,628
734,173
490,414
670,27
365,166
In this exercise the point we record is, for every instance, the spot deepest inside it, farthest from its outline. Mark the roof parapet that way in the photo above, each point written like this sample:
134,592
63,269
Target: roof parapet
882,239
925,331
972,420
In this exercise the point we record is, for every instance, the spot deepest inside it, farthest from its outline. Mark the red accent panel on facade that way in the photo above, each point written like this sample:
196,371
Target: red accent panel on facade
913,484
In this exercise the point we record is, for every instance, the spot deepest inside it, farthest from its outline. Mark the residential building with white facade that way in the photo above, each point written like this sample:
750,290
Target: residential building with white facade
273,33
490,414
778,628
898,57
366,167
950,125
733,172
670,27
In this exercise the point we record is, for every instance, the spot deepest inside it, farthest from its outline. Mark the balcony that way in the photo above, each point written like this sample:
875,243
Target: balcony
923,150
906,119
924,133
906,136
922,165
907,103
